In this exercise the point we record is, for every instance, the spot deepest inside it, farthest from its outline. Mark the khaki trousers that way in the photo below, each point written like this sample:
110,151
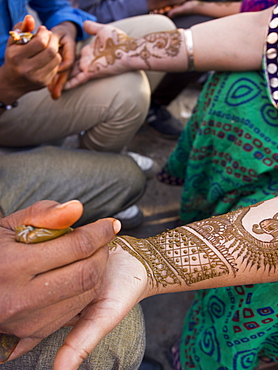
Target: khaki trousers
122,349
109,111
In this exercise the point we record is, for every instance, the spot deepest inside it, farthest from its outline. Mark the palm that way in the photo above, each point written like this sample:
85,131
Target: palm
99,58
124,285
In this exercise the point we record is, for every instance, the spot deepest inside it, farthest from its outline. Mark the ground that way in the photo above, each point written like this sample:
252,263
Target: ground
164,314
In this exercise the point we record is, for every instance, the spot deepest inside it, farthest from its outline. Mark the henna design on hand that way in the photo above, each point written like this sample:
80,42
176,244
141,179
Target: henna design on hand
156,45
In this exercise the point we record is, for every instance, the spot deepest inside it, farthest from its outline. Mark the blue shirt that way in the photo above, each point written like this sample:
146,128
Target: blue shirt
108,11
50,12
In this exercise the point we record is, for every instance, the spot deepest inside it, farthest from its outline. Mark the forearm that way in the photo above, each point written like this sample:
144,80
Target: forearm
231,43
222,44
214,10
233,249
157,51
8,92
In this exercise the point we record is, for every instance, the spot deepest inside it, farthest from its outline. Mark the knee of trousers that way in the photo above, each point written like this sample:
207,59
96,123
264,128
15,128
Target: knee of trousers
122,349
124,115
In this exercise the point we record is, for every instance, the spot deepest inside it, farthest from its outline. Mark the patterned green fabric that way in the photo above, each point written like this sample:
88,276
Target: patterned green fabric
231,328
227,157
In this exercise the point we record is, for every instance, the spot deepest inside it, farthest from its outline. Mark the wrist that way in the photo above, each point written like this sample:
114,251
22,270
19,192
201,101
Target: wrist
67,27
4,106
9,93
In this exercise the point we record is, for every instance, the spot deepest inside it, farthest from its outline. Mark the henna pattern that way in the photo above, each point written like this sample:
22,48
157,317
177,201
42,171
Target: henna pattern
205,249
230,232
156,45
176,255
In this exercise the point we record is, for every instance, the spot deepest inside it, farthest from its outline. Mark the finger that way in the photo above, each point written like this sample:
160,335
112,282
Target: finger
67,50
84,337
45,45
53,215
25,345
58,85
28,24
56,303
92,28
77,80
176,11
69,281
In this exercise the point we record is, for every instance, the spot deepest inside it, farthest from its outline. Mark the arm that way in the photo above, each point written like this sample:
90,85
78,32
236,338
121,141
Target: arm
45,285
222,44
238,248
210,9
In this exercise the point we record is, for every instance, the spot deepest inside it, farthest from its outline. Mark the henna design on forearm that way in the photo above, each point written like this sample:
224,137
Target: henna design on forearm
177,255
156,45
206,249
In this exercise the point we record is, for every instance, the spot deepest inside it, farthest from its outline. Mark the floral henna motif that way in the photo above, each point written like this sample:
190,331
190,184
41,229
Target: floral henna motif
156,45
206,249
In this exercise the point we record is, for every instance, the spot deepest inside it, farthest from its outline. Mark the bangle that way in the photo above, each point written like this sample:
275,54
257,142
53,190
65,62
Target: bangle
189,48
8,106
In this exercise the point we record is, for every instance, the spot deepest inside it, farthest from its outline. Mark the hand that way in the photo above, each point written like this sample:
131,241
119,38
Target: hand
31,66
188,7
125,283
44,285
159,4
99,58
66,33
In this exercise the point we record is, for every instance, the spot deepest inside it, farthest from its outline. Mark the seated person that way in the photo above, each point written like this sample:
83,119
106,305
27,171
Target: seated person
225,160
34,109
185,15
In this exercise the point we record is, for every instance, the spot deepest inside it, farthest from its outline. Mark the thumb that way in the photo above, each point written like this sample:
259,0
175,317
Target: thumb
52,215
85,336
28,24
92,28
46,214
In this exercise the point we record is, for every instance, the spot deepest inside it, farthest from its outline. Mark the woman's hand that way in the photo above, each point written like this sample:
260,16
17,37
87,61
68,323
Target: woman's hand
103,57
124,285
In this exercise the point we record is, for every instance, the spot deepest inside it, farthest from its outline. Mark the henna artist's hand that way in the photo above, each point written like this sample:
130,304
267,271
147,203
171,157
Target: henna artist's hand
31,66
44,285
159,4
66,33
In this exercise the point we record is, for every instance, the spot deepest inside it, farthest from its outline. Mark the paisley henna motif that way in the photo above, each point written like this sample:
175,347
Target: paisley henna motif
146,47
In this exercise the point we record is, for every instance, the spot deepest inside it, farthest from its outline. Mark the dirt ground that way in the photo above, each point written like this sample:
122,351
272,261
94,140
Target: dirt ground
164,314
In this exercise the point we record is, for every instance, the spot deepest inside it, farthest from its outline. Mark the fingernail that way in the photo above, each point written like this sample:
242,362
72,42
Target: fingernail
117,226
64,205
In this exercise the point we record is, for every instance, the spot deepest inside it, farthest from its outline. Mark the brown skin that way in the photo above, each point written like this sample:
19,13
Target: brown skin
210,9
45,61
157,4
46,285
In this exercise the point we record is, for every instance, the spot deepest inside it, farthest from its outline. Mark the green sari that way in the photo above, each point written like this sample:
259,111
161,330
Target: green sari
226,158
